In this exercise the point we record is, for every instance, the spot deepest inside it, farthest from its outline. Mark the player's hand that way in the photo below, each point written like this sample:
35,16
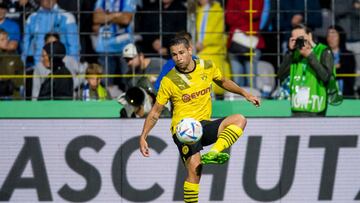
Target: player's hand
144,149
253,99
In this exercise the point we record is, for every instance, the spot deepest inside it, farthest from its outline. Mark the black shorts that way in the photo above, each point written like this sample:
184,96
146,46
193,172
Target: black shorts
210,130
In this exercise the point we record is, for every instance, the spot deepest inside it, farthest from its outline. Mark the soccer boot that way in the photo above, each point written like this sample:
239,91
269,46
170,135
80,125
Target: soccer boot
214,158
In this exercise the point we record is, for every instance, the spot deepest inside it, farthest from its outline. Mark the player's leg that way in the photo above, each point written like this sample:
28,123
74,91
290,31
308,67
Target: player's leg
229,131
190,155
191,184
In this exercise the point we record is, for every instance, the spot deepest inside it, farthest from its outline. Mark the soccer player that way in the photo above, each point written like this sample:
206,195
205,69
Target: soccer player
188,87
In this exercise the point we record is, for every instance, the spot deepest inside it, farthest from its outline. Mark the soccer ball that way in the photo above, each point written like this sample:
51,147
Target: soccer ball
189,131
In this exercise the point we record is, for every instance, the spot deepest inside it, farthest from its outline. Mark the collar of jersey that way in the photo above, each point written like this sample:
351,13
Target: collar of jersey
186,72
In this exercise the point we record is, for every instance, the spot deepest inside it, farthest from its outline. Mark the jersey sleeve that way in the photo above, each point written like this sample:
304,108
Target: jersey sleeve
217,75
164,92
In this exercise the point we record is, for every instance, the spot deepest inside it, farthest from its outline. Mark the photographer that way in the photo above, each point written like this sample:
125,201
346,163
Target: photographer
137,103
310,66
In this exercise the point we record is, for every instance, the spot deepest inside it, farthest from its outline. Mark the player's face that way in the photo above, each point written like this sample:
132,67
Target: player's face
181,55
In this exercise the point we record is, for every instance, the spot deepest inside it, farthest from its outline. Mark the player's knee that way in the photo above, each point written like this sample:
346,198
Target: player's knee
240,120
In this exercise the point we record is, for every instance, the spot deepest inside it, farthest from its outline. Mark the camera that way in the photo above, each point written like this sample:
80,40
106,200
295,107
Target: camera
299,42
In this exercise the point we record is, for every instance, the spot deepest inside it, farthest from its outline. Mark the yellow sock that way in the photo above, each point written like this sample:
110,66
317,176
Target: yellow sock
191,192
227,138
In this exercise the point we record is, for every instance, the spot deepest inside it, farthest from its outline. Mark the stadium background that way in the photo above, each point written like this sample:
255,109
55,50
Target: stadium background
91,157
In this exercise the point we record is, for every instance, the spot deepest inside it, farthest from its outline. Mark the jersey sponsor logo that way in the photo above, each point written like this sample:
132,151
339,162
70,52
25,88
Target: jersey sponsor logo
194,95
186,98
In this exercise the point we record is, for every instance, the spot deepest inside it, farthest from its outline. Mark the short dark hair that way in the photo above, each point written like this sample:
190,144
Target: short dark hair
56,51
185,34
302,27
179,40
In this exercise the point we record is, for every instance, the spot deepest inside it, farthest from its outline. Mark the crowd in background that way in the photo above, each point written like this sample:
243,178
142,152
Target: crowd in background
100,49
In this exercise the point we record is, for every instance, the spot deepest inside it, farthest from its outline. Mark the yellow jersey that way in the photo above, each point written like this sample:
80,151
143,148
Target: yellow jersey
190,93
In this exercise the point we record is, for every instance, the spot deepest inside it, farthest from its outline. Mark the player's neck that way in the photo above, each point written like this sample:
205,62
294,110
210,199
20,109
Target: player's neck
190,67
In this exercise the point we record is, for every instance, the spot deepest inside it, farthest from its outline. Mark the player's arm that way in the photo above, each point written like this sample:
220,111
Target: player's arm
231,86
150,122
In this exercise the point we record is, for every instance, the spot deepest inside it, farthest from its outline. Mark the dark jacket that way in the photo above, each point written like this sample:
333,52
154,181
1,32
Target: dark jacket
347,61
10,64
62,88
57,88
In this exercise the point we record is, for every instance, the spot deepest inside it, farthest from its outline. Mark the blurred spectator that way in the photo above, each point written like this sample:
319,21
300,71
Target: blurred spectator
57,87
268,16
112,21
282,91
71,6
268,30
74,66
347,14
241,41
137,103
87,49
269,60
19,10
94,90
139,64
172,19
296,12
10,26
344,59
327,20
10,64
50,18
146,15
310,67
211,39
170,64
83,11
